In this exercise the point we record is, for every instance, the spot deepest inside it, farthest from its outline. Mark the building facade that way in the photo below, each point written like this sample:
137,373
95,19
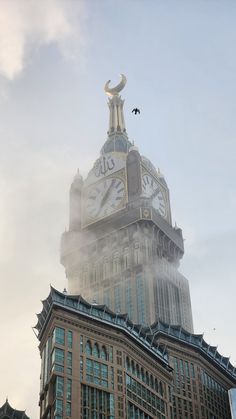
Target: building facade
98,364
201,376
121,248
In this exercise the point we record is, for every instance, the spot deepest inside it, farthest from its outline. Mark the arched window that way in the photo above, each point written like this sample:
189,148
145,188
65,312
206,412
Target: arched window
88,348
151,381
96,350
103,353
142,375
147,378
127,364
137,371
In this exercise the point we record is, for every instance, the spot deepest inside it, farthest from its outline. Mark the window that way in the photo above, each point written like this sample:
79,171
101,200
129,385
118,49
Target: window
81,344
88,348
58,408
117,297
68,389
59,336
96,372
96,350
59,387
96,403
103,353
137,255
58,359
69,338
126,258
128,299
141,298
69,363
81,368
116,263
68,409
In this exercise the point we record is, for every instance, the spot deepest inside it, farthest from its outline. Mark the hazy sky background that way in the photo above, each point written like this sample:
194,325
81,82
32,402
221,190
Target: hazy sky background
55,57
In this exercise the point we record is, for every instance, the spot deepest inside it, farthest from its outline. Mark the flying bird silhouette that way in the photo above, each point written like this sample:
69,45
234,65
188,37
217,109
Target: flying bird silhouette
136,110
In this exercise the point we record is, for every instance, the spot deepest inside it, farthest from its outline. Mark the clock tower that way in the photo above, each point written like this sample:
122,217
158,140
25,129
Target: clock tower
121,248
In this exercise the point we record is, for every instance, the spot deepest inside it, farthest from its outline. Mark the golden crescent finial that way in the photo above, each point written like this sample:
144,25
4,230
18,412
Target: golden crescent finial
114,91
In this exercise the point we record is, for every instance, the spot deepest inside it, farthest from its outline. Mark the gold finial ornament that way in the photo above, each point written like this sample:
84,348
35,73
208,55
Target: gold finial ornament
114,91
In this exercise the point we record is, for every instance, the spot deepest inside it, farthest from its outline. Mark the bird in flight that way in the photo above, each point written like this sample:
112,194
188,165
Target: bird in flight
135,111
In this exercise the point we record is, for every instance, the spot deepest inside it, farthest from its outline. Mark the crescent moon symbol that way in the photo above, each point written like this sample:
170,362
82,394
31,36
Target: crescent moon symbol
115,90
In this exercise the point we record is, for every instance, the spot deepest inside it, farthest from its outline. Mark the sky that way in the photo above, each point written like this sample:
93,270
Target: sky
55,57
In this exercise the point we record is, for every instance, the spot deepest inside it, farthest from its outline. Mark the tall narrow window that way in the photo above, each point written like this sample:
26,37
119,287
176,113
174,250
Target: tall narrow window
96,350
59,336
88,348
117,298
68,389
103,353
116,263
128,298
69,363
137,254
59,387
126,258
69,338
140,287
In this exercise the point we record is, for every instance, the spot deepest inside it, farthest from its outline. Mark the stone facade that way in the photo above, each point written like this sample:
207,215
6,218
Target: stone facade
201,376
96,364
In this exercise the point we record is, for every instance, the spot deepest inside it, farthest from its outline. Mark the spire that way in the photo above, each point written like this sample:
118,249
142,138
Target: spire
115,103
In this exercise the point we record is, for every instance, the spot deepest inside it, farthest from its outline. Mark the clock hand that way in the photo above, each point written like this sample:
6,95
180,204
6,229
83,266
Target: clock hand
107,193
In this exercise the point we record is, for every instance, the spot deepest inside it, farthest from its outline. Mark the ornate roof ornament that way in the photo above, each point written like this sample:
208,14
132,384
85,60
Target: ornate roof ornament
117,135
117,89
8,412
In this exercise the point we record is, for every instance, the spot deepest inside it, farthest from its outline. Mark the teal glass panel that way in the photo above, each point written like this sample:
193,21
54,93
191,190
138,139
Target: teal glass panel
69,338
59,336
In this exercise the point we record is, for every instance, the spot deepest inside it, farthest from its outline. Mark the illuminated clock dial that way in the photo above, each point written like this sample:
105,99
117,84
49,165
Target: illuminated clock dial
105,197
151,189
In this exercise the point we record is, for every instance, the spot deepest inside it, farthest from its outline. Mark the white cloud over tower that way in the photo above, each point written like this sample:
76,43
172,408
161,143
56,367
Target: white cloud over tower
28,24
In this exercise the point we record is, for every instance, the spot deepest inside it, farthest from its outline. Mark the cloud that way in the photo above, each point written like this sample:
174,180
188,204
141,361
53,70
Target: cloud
28,24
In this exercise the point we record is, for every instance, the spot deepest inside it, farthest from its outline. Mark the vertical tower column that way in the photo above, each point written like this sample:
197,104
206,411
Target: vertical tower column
116,119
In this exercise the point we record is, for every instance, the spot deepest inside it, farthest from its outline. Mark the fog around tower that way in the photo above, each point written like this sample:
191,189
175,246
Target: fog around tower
180,66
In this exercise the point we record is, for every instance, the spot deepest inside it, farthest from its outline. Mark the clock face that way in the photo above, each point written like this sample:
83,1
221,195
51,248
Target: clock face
105,197
151,189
